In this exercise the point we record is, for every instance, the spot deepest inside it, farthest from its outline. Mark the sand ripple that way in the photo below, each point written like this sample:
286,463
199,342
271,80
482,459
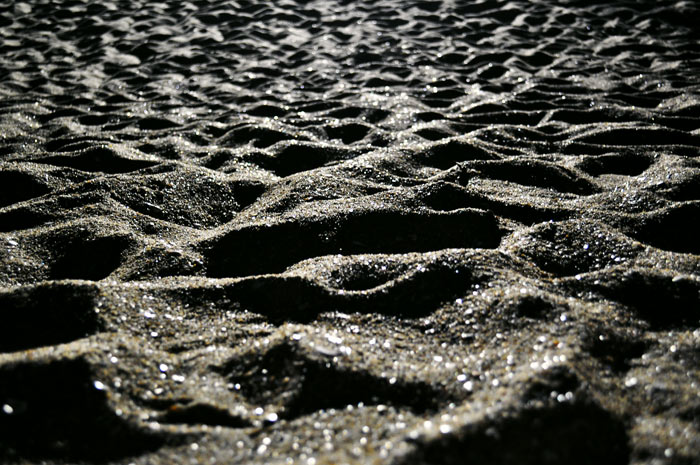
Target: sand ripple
386,232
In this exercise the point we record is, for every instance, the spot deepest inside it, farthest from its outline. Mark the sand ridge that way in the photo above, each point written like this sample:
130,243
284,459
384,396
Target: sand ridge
317,232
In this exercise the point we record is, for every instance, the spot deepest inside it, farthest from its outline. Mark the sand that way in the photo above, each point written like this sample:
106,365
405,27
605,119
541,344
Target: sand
316,232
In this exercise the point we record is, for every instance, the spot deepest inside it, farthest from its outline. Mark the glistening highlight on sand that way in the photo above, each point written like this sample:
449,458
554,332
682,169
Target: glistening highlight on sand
333,232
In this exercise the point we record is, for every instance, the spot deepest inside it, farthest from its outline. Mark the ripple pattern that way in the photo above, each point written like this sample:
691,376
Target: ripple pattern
350,232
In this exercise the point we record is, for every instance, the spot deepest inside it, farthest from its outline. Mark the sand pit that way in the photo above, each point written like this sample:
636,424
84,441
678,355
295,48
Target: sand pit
332,232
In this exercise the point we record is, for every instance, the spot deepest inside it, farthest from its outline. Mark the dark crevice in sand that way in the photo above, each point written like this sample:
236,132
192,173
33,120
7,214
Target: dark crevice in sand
415,293
19,218
669,229
57,413
90,259
664,301
260,137
640,136
270,249
578,433
535,173
629,164
17,186
291,158
97,159
613,350
447,154
201,414
298,384
47,314
449,196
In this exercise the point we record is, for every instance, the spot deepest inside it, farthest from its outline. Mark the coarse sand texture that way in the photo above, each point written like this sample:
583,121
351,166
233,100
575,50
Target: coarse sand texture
350,232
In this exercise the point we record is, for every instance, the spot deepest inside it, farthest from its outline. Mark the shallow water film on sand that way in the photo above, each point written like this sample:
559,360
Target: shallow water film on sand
334,232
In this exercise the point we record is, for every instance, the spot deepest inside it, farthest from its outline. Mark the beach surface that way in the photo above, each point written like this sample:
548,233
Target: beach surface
335,232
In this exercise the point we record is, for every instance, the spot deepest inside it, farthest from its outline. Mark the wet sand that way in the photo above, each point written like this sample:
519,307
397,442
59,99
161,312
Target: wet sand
432,232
